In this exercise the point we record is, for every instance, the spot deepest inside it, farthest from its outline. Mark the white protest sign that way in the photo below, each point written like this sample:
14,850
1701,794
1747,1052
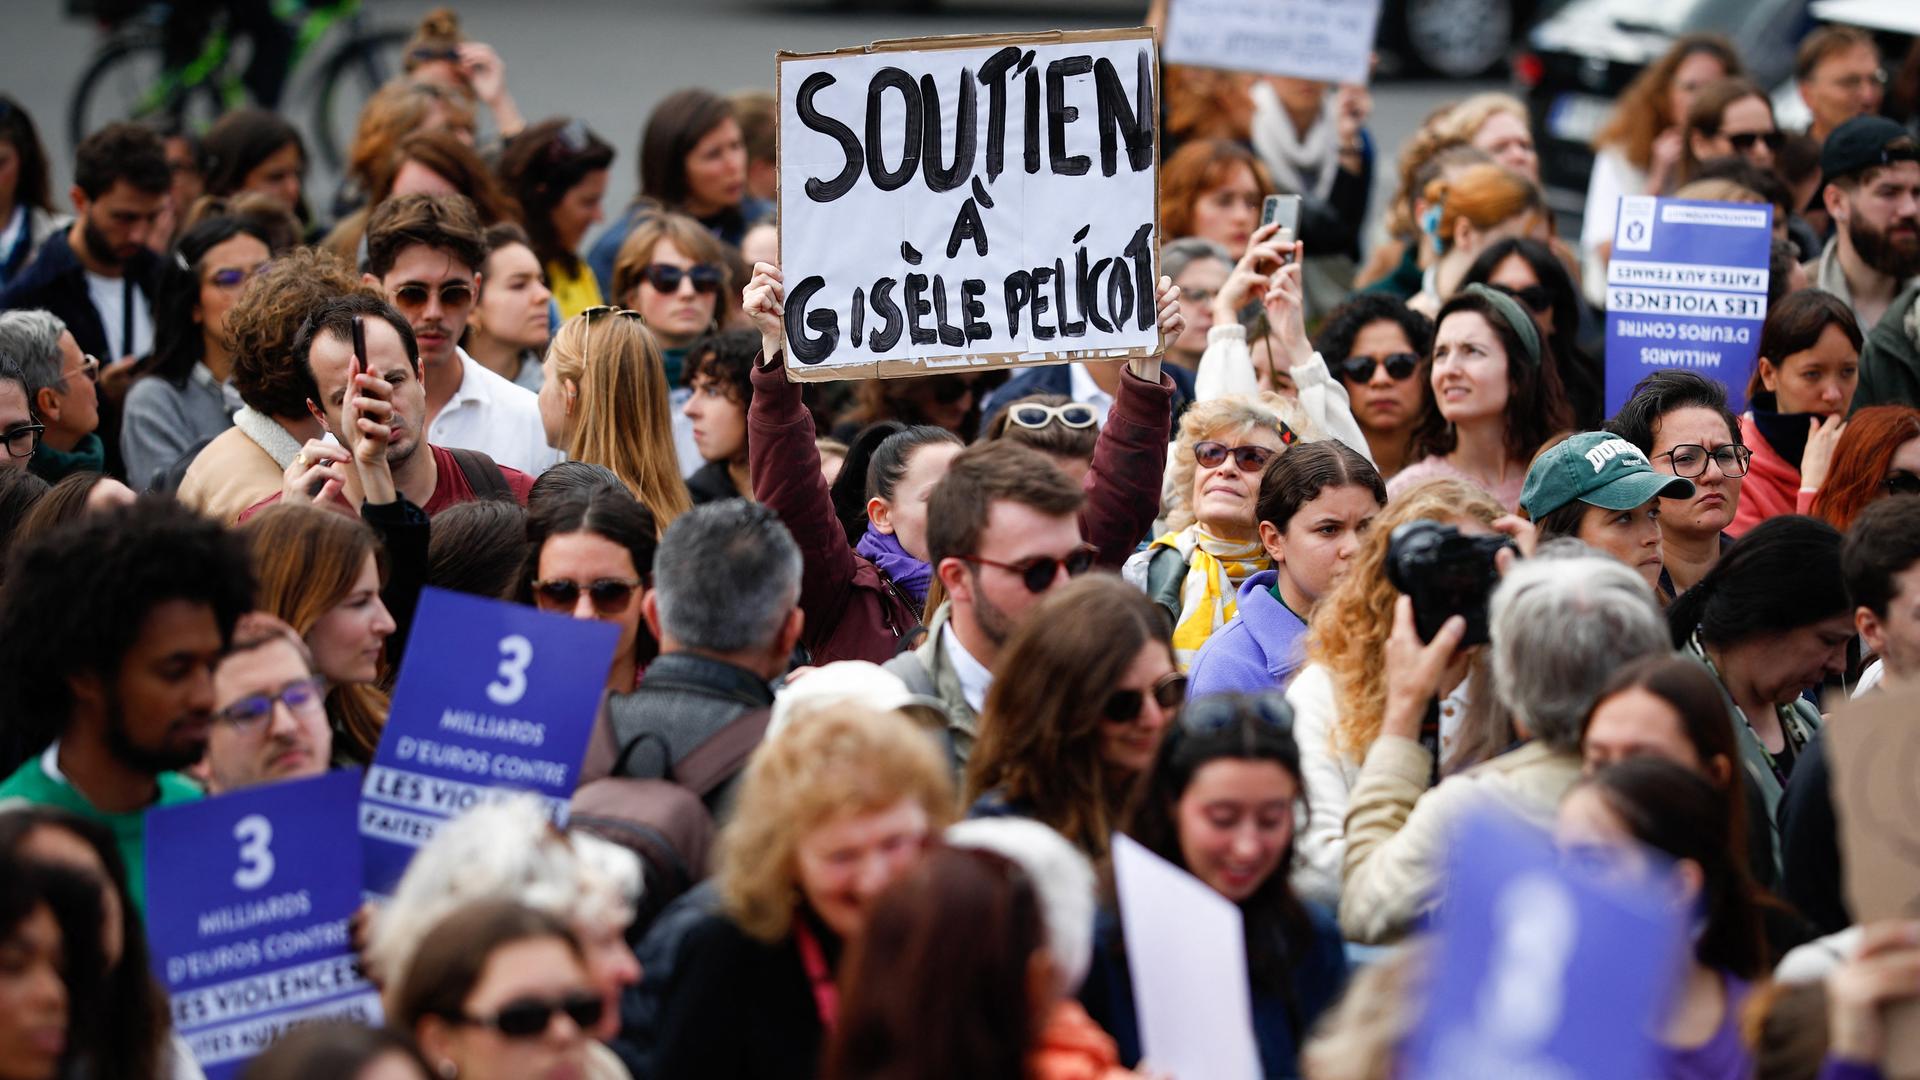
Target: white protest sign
1187,953
972,201
1328,40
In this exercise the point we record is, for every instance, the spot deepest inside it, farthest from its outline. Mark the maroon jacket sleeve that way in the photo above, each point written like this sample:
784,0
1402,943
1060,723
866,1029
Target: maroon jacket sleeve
1123,487
786,479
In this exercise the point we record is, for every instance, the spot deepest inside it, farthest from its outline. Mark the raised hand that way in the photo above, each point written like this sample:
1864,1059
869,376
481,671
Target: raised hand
764,302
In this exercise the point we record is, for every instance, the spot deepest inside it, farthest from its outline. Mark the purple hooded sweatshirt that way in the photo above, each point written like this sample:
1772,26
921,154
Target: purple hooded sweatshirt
1259,649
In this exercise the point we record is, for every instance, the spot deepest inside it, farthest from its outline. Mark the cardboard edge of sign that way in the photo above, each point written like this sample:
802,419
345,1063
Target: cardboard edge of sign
905,369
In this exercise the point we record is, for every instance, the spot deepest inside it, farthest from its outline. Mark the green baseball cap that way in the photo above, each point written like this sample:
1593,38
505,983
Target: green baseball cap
1598,469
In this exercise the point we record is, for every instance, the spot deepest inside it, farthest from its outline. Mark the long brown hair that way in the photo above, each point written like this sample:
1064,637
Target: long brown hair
622,420
307,560
451,958
1641,113
1536,409
1040,733
1860,461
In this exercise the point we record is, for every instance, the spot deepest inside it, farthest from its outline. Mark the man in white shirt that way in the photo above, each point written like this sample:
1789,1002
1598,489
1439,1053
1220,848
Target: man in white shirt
424,252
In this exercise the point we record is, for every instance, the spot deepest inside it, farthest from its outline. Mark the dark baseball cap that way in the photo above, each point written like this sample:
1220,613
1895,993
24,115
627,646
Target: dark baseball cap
1860,144
1598,469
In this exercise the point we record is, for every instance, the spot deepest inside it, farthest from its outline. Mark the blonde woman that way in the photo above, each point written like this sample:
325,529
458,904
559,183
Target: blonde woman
1339,698
834,808
1497,124
603,400
1195,571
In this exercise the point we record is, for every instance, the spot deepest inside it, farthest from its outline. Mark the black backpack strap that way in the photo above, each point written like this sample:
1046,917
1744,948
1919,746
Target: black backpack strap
482,473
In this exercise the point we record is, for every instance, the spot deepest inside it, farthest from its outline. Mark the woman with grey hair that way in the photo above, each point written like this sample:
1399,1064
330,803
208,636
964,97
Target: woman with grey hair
1559,628
1200,267
511,851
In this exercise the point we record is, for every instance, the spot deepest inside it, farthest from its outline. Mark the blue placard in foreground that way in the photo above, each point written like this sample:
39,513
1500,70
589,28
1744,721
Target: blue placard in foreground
493,698
248,898
1686,289
1542,970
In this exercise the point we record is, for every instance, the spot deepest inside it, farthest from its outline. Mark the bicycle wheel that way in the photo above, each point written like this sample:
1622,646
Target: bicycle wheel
126,81
351,75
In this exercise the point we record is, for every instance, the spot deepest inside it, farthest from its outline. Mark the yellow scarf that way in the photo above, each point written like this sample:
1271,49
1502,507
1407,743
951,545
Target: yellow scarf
1208,598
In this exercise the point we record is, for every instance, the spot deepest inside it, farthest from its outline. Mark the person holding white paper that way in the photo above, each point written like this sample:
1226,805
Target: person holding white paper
1219,804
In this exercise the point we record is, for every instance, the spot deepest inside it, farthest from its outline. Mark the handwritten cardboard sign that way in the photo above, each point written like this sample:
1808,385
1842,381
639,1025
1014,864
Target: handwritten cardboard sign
972,201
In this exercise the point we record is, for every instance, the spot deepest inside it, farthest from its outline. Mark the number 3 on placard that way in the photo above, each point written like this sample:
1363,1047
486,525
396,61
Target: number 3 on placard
256,860
516,652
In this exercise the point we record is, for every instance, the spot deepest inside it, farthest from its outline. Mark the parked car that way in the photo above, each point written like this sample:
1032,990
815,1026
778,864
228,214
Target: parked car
1458,39
1580,58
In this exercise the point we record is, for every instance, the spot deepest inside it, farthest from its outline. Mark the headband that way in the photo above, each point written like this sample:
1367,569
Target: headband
1514,315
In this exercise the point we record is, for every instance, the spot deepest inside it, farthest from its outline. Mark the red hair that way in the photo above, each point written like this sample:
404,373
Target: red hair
1196,169
1861,460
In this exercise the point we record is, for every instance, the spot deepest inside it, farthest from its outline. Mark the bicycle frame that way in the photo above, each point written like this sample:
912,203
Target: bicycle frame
314,25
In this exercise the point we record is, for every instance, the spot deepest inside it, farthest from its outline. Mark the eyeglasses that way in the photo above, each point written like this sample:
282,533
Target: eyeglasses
706,277
599,311
1690,459
89,367
302,697
1536,297
1901,482
610,596
1217,712
1399,366
528,1017
1743,142
427,54
1211,455
454,294
1039,573
24,440
1036,416
1860,81
233,277
1198,296
1123,706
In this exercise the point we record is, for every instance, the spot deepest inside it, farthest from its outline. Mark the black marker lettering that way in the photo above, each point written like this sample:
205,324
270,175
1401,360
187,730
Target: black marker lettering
968,226
1120,298
1090,290
824,191
917,308
1033,123
965,132
1141,252
886,336
1130,123
950,336
993,73
1060,114
910,154
1068,327
859,317
974,310
809,348
1018,289
1038,303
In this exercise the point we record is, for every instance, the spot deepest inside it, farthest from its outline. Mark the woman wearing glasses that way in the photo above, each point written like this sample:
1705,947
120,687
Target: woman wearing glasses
498,991
1878,456
1531,273
1681,422
1218,802
678,277
557,169
322,574
1086,689
1495,397
1194,572
590,556
603,400
1730,117
1802,387
180,399
1374,343
269,711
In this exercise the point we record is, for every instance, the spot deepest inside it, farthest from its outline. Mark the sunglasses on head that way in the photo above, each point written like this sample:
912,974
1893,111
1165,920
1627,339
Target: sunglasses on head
1536,297
1036,416
1040,572
1399,366
528,1017
610,596
1211,454
599,311
706,277
1743,142
454,294
1123,706
1902,482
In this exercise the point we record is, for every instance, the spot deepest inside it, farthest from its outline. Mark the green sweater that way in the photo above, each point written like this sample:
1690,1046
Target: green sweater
32,783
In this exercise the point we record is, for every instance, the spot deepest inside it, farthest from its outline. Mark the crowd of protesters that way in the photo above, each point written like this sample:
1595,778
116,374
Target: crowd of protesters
899,660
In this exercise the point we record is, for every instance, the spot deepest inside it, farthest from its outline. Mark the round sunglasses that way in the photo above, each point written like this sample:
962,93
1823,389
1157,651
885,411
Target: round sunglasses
1035,416
1212,454
706,277
1400,365
1040,572
609,596
1123,706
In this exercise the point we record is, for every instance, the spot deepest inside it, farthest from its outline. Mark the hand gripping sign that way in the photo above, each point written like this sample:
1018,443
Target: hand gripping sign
493,699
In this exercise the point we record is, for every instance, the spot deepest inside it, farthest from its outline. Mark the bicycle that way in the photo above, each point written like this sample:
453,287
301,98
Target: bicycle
127,77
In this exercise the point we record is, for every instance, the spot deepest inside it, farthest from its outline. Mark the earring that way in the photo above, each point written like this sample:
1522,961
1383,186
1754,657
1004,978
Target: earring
448,1070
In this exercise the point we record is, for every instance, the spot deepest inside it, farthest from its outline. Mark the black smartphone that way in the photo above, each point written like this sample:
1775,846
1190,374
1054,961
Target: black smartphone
359,346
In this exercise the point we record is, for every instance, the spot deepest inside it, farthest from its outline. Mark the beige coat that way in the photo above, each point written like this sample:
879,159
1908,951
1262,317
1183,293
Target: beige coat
1397,828
229,475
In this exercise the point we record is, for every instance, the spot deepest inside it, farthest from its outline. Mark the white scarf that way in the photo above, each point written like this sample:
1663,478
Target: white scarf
1305,166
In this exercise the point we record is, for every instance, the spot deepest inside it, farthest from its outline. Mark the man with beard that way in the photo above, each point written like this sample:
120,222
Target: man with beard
1002,531
98,276
270,713
1871,170
425,253
110,630
383,464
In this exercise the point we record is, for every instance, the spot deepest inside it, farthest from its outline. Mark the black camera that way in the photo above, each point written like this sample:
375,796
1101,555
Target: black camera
1446,573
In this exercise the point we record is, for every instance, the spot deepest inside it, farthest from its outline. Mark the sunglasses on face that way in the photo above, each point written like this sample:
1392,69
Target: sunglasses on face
1039,573
610,596
1690,459
528,1017
1211,455
1400,365
302,697
1902,482
23,440
233,277
1743,142
1035,416
1536,297
455,294
1123,706
706,277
